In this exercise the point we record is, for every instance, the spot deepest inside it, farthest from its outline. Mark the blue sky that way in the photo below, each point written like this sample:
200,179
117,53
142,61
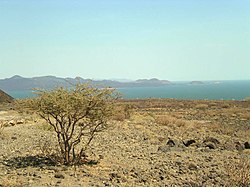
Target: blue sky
104,39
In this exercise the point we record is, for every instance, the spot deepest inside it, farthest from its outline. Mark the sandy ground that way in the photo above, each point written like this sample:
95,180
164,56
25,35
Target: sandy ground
162,143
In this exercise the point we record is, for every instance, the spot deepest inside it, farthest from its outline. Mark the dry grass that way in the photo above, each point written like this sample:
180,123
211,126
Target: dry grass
181,126
11,183
142,118
50,150
230,129
45,126
178,123
239,173
2,126
201,106
122,111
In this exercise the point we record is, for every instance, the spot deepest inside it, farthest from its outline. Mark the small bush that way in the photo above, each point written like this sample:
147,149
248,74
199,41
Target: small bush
75,115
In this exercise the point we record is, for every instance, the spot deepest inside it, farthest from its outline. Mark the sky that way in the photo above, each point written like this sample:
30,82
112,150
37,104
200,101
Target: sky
129,39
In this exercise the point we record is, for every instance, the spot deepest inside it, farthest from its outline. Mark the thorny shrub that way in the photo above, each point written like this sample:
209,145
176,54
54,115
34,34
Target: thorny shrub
76,115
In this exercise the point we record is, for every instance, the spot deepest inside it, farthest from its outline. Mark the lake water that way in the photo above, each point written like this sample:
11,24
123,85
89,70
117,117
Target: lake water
226,90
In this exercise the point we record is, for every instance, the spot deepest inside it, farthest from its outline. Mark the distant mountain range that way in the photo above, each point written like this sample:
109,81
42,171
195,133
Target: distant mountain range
49,82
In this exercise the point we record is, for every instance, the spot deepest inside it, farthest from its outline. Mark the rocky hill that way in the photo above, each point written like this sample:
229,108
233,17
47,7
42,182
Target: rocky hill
5,98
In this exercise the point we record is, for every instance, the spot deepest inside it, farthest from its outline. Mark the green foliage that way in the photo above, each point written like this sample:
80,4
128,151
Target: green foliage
76,115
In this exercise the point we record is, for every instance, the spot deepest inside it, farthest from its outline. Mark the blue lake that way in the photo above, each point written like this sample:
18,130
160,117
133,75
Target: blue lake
226,90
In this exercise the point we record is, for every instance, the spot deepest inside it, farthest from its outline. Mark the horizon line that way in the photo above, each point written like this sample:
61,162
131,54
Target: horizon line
128,79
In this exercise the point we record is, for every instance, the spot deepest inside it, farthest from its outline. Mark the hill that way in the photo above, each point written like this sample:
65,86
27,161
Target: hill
48,82
5,98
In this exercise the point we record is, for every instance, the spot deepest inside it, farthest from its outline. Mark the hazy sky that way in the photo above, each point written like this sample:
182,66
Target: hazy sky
103,39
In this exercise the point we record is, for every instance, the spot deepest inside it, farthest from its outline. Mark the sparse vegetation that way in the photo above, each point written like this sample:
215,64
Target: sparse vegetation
76,115
6,182
239,173
155,143
1,127
122,111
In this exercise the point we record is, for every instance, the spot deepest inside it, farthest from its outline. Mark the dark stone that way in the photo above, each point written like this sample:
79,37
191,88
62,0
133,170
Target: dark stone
238,146
59,176
92,162
247,145
210,146
13,138
192,167
106,184
171,143
187,143
212,140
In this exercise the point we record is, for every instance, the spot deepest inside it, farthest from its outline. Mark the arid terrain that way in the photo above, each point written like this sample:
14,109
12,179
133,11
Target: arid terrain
154,142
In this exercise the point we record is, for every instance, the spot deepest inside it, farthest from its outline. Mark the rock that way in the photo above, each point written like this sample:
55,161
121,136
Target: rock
12,123
210,145
20,121
211,139
187,143
59,176
238,146
247,145
13,137
114,175
106,183
192,166
52,168
171,143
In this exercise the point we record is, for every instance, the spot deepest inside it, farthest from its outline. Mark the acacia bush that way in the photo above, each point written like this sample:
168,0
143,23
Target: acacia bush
76,115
